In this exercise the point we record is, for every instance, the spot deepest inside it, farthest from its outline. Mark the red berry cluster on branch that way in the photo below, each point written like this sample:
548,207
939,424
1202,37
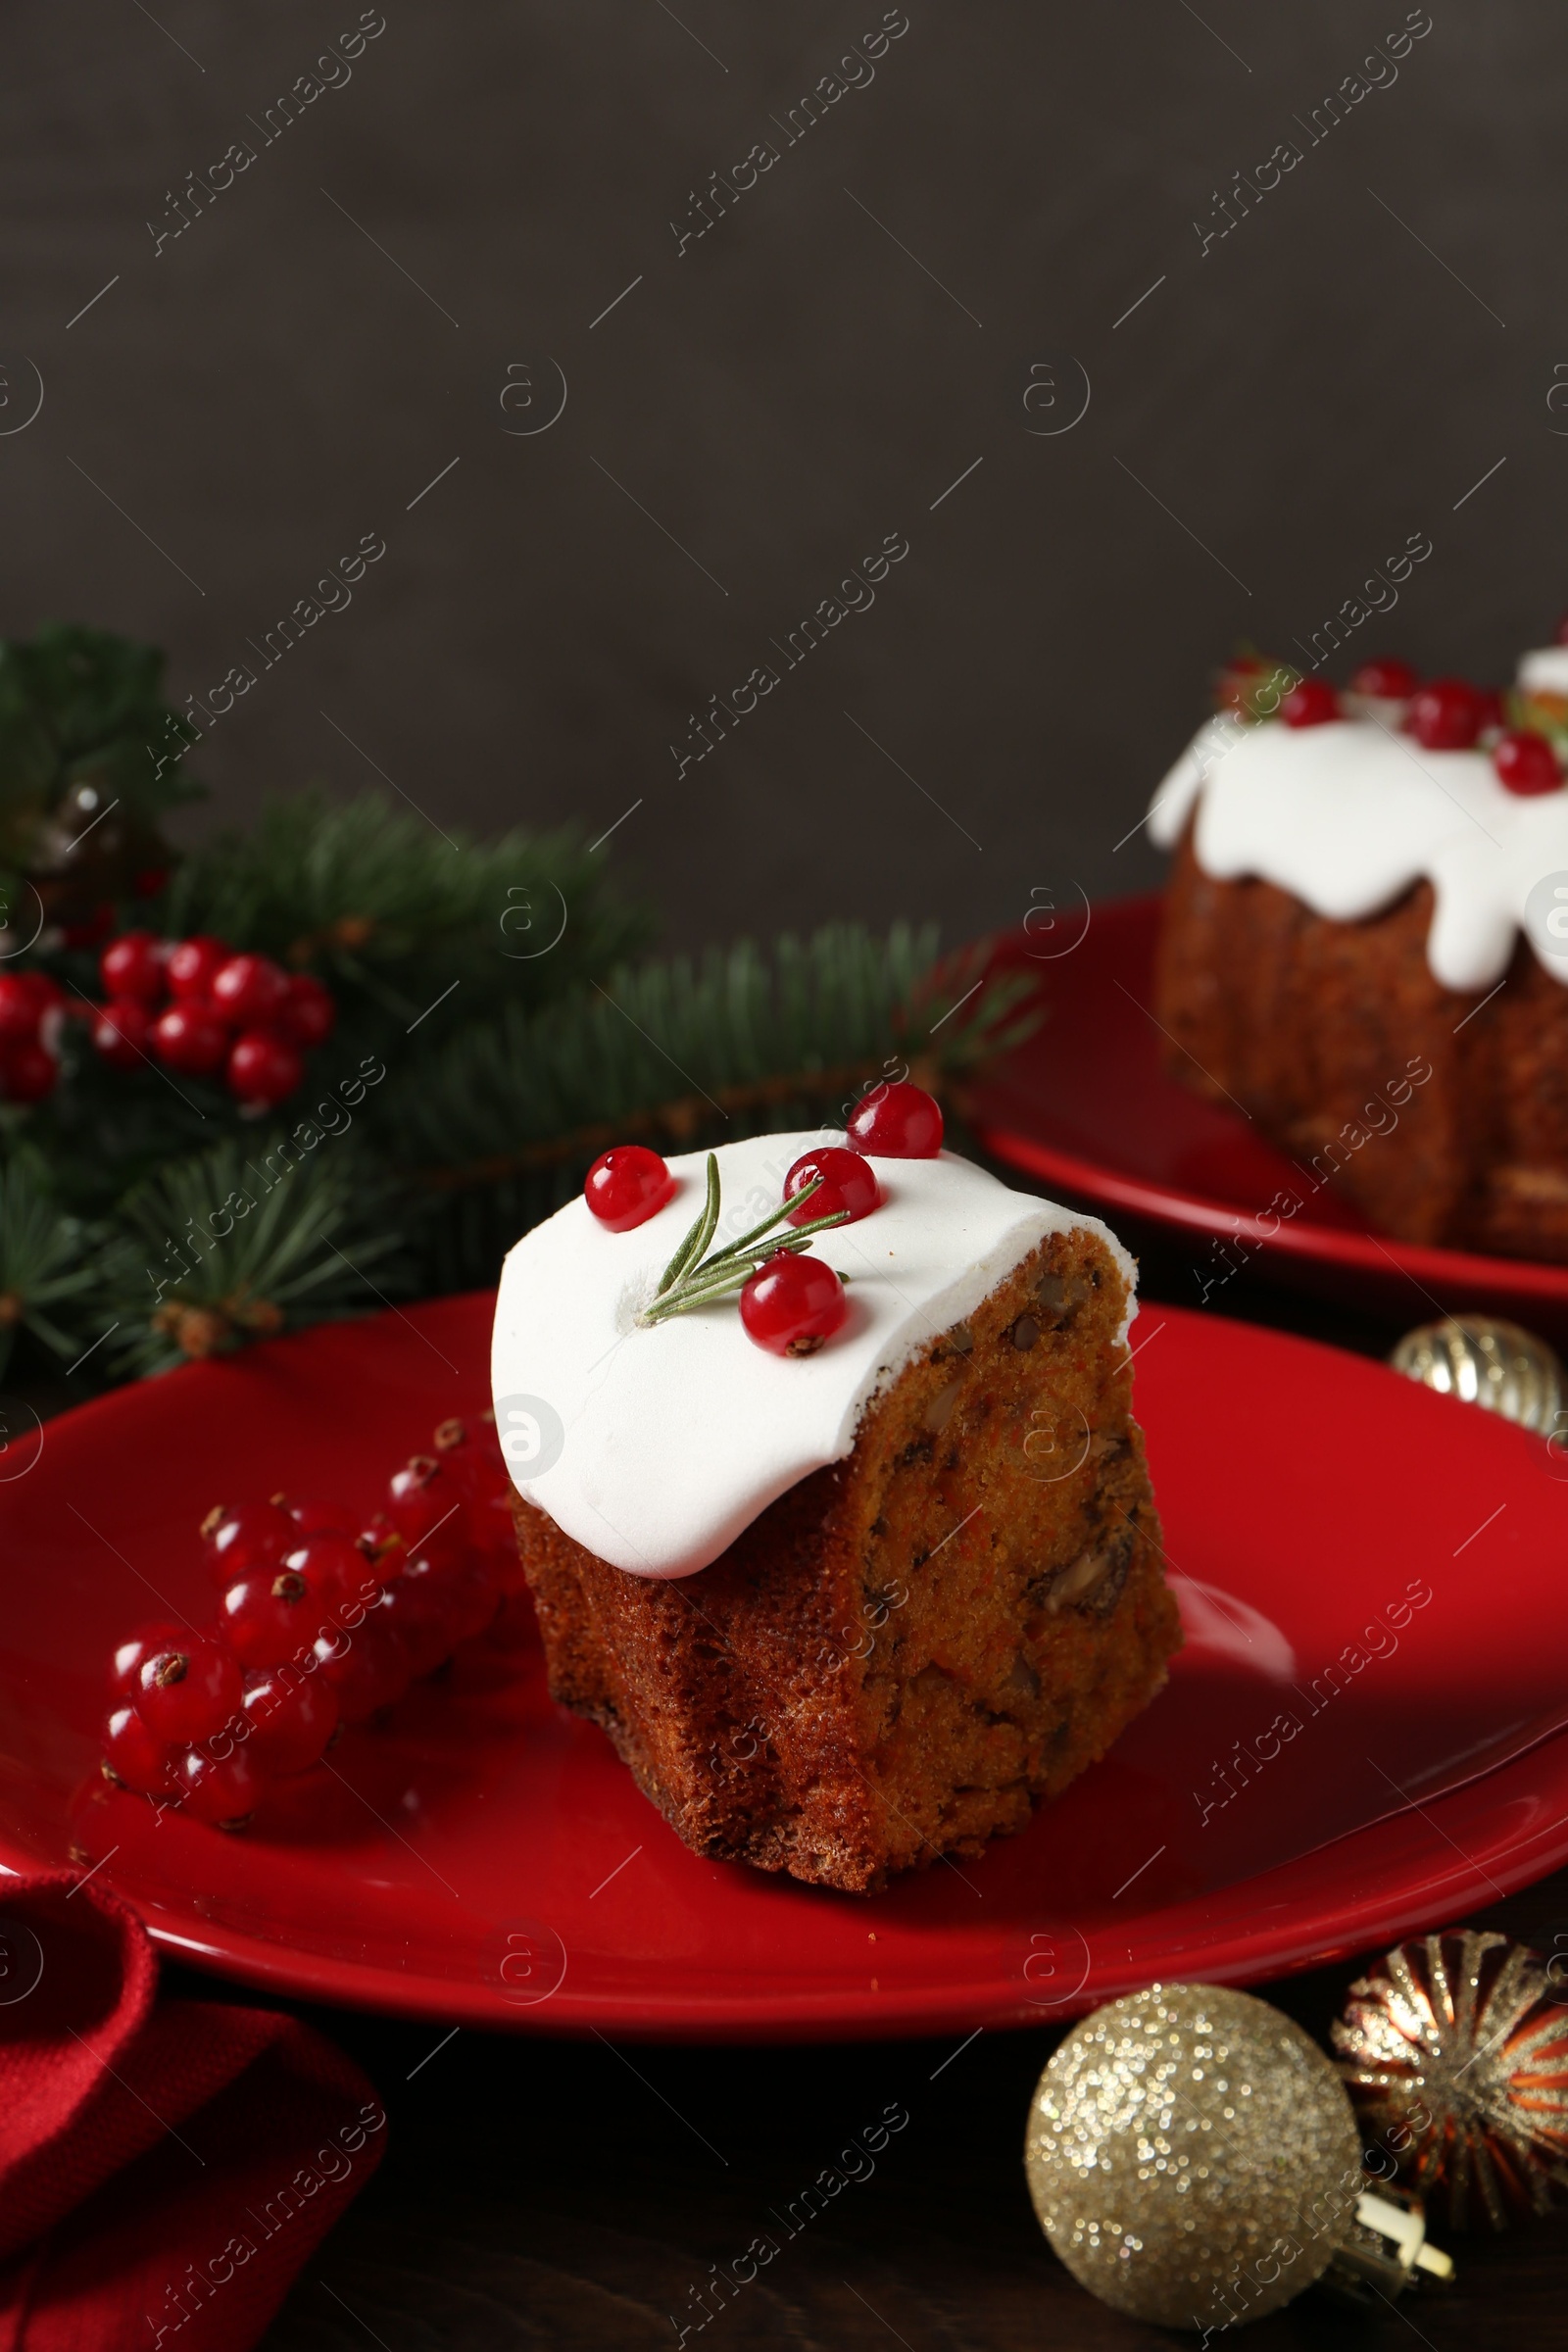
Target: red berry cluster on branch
199,1008
322,1620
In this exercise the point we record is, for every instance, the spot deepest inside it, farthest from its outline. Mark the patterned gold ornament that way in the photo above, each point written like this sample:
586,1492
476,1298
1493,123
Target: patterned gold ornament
1484,1361
1456,2051
1193,2156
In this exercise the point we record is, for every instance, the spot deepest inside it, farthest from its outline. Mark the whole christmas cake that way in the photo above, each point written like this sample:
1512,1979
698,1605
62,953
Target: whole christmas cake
854,1575
1365,940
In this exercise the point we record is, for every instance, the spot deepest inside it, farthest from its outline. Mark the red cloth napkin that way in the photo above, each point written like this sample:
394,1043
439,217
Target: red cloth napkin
164,2166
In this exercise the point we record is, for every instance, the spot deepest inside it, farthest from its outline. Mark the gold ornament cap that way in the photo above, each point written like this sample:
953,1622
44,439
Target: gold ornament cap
1486,1361
1193,2156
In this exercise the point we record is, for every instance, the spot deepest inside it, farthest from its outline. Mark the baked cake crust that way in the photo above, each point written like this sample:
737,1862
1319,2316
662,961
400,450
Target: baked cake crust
907,1649
1443,1116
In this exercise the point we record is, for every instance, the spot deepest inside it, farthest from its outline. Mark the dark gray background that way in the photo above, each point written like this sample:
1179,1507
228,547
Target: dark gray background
1300,398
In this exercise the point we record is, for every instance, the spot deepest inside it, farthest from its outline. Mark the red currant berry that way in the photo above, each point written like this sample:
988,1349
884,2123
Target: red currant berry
898,1122
471,1595
334,1568
1385,681
248,990
189,1038
849,1187
242,1537
188,1690
307,1015
1494,717
120,1032
263,1068
478,1432
20,1009
470,1457
192,966
1310,704
626,1185
415,1605
132,965
271,1616
792,1303
1445,714
292,1717
480,1476
380,1546
313,1518
222,1790
133,1756
423,1498
1560,635
1526,764
366,1668
28,1073
128,1657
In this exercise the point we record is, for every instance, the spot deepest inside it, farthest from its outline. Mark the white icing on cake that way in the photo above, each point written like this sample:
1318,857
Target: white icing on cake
1546,670
678,1436
1347,816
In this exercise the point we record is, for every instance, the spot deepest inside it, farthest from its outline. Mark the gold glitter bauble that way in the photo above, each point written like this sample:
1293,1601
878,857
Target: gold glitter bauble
1455,2049
1193,2156
1484,1361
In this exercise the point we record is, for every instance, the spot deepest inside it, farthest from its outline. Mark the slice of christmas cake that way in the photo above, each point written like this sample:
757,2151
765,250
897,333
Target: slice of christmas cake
853,1576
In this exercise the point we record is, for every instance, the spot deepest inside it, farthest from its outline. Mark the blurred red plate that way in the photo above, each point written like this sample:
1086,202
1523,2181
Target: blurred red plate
1376,1564
1086,1106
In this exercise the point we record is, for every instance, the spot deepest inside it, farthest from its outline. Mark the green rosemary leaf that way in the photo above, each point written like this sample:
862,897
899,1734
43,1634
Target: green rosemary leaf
679,1301
735,1248
683,1256
719,1278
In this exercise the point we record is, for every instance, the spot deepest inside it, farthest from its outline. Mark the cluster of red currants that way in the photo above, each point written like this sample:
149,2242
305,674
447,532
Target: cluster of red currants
322,1620
793,1301
201,1010
1443,714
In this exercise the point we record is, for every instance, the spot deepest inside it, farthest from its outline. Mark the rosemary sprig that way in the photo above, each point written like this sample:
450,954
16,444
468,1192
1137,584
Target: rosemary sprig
694,1279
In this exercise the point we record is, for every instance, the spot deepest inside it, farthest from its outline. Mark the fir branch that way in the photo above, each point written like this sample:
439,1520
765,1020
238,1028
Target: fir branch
498,1126
218,1250
80,703
45,1261
369,895
675,1051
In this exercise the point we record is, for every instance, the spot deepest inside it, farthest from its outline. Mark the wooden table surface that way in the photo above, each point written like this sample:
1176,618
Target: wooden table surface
567,2194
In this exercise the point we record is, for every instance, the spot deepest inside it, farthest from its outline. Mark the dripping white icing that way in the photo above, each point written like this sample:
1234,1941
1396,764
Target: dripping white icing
1544,672
676,1437
1347,816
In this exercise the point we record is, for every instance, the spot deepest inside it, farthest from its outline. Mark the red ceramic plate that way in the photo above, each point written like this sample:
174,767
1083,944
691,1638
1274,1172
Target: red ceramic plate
1086,1106
1362,1735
